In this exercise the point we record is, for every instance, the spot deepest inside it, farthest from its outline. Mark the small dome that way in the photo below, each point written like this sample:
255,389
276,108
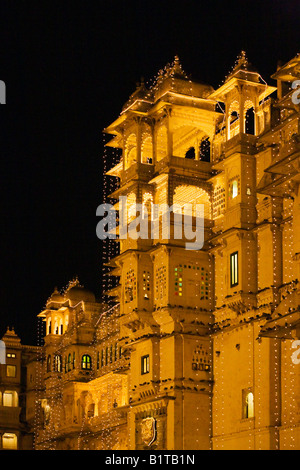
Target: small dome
78,293
56,296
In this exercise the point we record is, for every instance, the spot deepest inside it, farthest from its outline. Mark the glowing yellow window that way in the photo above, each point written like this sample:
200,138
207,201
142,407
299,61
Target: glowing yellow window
11,371
9,441
234,189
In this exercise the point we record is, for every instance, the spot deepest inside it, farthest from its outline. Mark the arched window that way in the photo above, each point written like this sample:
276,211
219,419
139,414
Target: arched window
147,206
102,358
250,121
58,363
49,326
248,404
49,363
161,140
234,189
86,362
147,150
131,207
91,410
233,121
61,327
130,287
130,151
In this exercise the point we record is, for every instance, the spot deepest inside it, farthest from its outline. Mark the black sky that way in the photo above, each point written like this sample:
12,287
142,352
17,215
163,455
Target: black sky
69,67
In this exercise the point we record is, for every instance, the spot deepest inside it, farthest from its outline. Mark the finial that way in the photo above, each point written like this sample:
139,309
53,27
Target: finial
242,58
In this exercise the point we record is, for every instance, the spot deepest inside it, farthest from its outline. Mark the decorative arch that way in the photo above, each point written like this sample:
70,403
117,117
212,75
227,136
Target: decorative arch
233,124
147,149
147,205
130,150
190,194
131,207
161,142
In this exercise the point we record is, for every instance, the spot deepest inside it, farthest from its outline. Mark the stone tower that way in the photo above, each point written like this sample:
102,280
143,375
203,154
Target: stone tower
165,290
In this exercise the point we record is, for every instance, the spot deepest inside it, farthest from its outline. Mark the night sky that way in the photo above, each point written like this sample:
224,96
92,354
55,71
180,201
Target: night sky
69,67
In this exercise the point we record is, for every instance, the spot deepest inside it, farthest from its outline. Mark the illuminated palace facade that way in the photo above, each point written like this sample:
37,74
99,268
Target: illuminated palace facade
195,349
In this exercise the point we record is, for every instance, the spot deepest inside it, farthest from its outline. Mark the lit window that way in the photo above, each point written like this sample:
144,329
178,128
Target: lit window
234,189
10,355
248,404
7,399
145,364
11,371
86,362
9,441
58,363
234,280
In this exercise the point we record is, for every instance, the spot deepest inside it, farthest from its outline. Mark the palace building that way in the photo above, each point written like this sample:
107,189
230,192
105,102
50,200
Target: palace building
193,349
18,372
